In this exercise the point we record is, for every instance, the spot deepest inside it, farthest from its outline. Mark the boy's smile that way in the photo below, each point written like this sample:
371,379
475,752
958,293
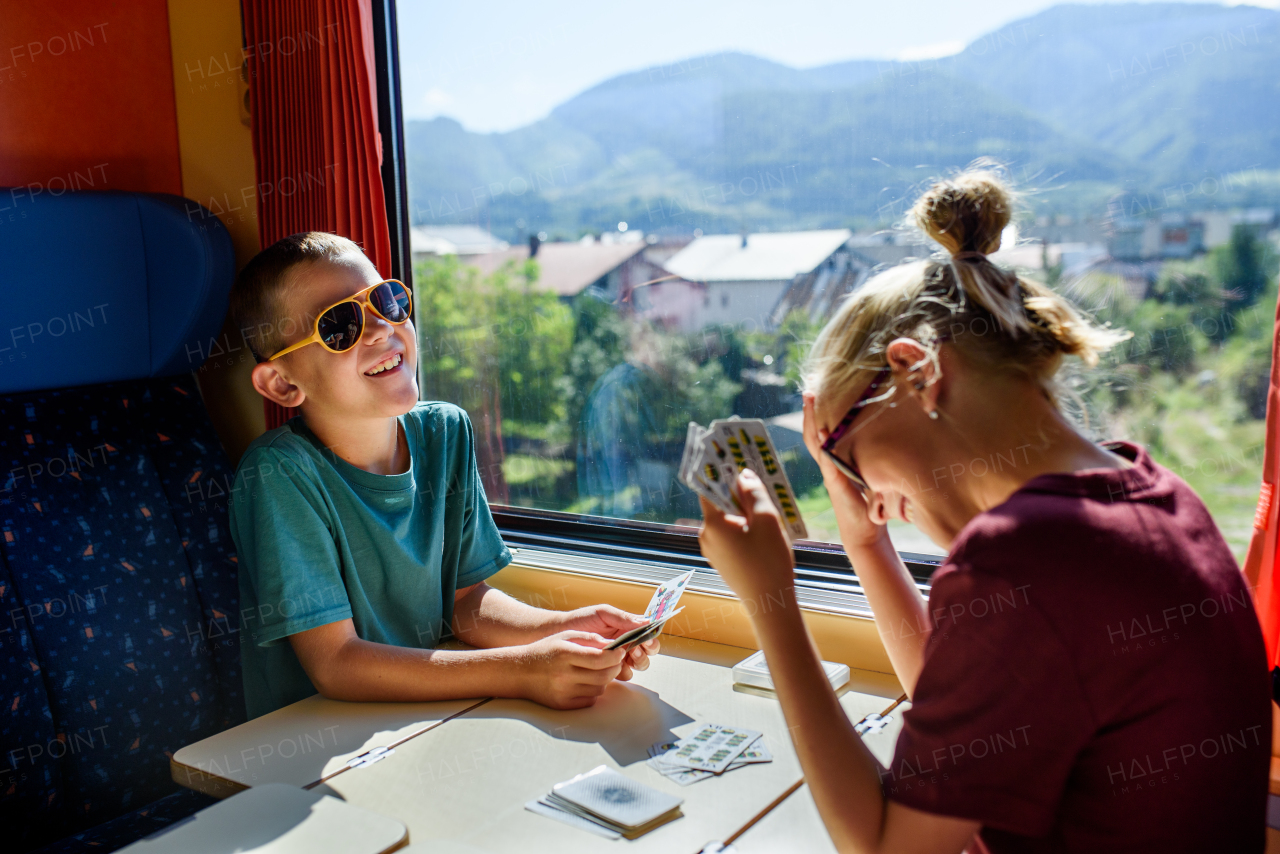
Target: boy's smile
386,365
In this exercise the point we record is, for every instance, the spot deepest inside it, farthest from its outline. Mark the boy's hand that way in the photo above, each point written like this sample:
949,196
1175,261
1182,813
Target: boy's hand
610,622
569,670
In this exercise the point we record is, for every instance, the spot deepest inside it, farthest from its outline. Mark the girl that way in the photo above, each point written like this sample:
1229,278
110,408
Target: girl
1088,673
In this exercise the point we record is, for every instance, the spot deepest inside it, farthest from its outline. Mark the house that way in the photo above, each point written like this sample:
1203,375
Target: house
865,254
460,240
738,279
1169,236
611,268
1218,225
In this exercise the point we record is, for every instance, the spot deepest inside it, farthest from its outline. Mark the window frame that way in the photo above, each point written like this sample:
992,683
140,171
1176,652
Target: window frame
819,566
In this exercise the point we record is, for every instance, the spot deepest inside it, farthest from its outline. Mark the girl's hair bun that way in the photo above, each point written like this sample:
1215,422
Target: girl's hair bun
967,213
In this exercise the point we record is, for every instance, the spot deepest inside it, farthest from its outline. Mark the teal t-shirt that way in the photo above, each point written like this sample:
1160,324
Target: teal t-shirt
320,540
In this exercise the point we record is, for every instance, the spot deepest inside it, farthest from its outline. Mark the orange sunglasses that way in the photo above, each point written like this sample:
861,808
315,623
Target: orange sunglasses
341,325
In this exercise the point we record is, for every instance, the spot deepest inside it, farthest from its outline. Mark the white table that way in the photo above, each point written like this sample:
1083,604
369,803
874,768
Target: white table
302,743
276,818
461,773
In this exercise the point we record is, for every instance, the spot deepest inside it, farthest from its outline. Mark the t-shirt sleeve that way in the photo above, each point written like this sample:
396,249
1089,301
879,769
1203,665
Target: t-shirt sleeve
281,524
998,715
481,552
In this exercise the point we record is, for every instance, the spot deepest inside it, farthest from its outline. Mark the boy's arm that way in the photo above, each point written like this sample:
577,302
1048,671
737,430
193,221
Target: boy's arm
485,617
564,671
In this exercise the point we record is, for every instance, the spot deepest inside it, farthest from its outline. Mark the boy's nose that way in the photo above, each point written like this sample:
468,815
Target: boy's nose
375,328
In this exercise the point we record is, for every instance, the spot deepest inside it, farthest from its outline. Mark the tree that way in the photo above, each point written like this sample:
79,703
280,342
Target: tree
600,339
495,346
533,334
1188,284
1243,266
1165,337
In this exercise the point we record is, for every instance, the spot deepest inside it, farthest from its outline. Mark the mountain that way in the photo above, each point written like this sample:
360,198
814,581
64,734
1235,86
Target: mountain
1179,87
1088,100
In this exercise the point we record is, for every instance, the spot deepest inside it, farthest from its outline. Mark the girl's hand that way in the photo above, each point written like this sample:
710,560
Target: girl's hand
856,514
751,552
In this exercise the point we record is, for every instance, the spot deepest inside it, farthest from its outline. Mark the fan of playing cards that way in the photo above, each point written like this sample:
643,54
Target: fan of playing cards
662,607
714,455
710,751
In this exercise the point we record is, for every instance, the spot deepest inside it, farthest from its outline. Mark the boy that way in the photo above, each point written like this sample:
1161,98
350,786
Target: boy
361,526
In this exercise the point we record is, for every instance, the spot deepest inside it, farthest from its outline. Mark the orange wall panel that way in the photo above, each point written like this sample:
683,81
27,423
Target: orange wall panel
86,96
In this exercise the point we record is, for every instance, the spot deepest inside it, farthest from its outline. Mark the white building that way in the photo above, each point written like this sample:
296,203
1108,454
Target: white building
452,240
738,279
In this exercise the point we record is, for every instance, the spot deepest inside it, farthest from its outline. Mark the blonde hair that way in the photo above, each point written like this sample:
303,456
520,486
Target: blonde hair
998,321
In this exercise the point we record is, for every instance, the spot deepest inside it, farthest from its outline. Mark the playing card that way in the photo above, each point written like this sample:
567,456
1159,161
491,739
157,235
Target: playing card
659,610
683,775
691,438
719,472
708,480
614,797
667,595
640,634
752,439
571,819
737,446
756,753
713,748
660,747
702,479
678,774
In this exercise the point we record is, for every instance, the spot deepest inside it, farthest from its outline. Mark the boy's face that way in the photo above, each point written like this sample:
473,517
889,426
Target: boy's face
340,384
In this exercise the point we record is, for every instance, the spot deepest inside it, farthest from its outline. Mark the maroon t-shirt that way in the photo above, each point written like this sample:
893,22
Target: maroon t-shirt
1095,678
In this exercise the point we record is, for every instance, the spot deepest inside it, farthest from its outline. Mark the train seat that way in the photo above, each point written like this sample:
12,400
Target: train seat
118,597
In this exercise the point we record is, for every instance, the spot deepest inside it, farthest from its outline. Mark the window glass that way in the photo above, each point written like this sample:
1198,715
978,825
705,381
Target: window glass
626,218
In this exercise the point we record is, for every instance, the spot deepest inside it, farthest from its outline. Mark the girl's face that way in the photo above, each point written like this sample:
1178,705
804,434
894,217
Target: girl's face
897,449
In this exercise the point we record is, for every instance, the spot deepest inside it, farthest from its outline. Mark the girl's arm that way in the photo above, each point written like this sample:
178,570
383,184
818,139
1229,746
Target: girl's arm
901,613
752,554
902,616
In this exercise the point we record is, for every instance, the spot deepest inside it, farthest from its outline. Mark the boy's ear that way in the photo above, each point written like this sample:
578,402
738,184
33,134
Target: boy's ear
269,382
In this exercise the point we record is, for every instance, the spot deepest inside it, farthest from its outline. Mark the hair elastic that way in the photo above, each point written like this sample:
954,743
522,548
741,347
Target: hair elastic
964,256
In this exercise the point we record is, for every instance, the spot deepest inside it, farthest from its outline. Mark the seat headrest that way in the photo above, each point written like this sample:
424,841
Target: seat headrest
105,286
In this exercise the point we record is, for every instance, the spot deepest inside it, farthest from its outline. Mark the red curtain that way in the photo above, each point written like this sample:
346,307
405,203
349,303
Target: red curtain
315,127
1260,562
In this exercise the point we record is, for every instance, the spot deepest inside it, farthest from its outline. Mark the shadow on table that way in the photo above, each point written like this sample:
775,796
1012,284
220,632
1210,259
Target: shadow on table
625,720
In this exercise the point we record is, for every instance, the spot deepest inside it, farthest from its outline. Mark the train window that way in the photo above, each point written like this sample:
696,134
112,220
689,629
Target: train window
626,219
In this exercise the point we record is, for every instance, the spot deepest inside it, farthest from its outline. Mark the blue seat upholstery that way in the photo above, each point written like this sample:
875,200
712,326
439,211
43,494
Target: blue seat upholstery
118,597
109,286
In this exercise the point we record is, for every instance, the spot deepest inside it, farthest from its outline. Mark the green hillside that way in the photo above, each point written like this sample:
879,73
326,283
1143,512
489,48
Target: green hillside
1086,100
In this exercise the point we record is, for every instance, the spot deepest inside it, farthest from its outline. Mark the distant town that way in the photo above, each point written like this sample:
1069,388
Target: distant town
688,282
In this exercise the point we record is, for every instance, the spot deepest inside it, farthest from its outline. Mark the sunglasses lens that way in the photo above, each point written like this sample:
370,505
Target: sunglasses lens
391,300
340,326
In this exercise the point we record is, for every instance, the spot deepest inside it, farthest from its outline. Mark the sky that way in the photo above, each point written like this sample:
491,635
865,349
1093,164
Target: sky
498,66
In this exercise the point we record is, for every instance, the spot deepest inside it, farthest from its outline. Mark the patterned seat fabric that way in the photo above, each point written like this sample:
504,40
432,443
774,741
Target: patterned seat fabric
118,636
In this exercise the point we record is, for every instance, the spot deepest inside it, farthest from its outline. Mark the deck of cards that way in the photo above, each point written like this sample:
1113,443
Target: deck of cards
714,455
662,607
609,804
709,752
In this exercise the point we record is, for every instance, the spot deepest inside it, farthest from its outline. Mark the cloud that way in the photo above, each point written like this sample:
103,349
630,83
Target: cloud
931,51
435,98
